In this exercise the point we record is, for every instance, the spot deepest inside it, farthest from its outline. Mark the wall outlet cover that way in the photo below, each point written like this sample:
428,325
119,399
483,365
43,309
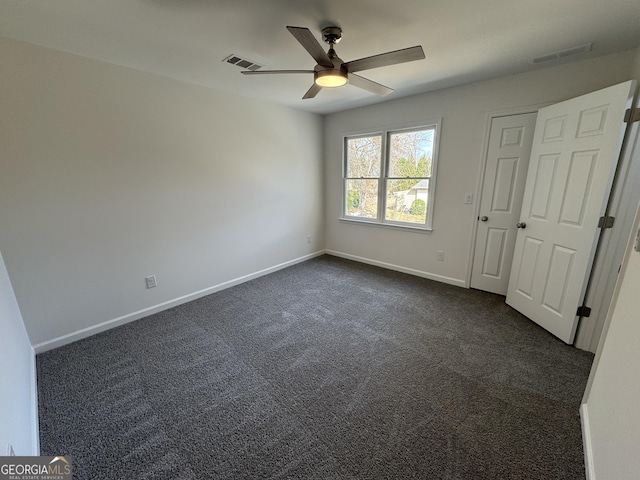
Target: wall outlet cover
151,281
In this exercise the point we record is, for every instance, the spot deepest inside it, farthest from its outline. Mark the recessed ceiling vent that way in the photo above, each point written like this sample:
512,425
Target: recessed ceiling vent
563,53
242,62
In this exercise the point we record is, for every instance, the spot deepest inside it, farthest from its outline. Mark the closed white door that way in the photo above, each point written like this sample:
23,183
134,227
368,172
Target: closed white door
505,174
573,159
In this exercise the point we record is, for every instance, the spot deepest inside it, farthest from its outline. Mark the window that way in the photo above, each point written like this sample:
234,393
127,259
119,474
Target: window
389,176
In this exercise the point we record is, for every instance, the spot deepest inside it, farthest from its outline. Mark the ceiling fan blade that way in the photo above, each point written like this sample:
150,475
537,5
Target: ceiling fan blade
273,72
390,58
312,92
311,45
369,85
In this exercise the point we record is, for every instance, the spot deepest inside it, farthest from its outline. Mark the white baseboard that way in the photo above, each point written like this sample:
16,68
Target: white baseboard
130,317
586,442
35,422
116,322
411,271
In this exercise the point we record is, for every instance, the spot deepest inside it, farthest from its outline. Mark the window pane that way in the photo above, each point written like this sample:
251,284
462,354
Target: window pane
363,156
361,198
407,200
411,153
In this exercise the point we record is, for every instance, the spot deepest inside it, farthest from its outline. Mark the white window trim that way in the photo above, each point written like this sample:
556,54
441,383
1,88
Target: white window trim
384,167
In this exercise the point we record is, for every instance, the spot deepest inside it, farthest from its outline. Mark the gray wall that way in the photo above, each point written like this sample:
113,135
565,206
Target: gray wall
18,415
465,114
110,175
610,413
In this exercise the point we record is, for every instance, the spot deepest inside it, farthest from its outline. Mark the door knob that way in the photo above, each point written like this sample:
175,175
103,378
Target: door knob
521,225
484,218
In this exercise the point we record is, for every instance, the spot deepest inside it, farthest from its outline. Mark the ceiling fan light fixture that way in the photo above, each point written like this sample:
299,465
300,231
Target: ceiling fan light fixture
331,78
331,72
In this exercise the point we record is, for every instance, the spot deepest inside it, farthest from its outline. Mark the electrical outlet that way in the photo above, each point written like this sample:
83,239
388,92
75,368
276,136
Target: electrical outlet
10,452
151,281
440,256
308,238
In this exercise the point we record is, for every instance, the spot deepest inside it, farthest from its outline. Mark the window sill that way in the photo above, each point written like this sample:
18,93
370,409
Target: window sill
394,226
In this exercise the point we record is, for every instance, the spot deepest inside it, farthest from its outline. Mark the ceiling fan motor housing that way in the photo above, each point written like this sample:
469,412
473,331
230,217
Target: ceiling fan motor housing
331,77
327,76
332,34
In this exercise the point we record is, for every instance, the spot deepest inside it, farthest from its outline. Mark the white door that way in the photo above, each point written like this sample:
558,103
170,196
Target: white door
573,159
505,174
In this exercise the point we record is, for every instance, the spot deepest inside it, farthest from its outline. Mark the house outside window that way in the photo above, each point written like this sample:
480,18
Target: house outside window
389,176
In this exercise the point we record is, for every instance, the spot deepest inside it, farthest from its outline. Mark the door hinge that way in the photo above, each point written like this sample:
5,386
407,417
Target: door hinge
606,222
583,311
632,115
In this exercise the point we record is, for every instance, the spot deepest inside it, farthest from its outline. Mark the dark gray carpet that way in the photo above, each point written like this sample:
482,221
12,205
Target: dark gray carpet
326,370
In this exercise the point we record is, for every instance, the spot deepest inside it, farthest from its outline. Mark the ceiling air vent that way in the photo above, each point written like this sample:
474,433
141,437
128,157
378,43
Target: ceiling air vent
563,53
242,62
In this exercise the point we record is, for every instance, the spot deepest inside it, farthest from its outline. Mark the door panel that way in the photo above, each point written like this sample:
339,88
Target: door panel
554,129
528,263
504,185
576,192
560,270
543,186
573,158
510,140
494,252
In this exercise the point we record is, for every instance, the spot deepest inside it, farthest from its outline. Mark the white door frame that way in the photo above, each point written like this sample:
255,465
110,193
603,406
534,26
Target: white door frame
579,241
624,198
632,153
483,165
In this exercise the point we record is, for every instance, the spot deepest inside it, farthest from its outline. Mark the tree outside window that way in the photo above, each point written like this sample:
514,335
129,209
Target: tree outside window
363,173
389,177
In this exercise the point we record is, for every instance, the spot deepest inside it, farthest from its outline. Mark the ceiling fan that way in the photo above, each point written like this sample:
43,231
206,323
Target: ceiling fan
331,71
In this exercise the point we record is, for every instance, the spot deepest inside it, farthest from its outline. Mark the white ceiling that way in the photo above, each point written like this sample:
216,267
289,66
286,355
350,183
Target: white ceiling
464,40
